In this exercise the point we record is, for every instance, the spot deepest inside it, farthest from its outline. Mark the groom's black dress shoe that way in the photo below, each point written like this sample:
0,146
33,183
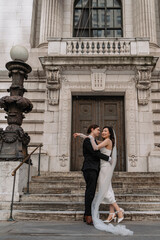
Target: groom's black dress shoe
88,220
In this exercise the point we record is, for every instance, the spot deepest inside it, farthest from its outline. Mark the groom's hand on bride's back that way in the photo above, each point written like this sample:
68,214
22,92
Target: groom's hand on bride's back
97,153
110,160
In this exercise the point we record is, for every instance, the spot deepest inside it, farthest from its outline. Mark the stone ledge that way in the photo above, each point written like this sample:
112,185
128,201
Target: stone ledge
98,60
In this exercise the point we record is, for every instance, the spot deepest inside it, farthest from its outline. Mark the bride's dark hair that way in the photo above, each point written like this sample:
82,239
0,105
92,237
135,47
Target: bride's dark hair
110,129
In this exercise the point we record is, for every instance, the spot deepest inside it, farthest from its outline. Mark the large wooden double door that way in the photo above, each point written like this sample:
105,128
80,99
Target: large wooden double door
101,110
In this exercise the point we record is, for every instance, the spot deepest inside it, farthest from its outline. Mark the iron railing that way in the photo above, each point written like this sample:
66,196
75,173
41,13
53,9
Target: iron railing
15,170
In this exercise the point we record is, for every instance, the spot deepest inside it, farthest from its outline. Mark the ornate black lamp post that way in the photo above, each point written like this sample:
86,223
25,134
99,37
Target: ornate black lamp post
13,140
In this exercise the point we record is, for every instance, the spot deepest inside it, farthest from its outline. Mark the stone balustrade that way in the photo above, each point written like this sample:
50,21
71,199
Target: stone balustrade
98,46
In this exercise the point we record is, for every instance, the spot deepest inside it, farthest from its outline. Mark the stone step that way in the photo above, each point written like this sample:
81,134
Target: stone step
79,206
156,111
155,90
129,179
35,132
37,85
33,145
156,138
33,90
115,174
156,116
36,137
157,144
32,127
38,103
80,198
37,100
157,122
75,190
26,121
155,100
34,116
156,128
69,184
157,133
155,95
35,95
78,215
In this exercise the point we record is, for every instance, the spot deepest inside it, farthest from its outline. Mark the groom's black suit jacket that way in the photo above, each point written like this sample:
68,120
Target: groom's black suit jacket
91,157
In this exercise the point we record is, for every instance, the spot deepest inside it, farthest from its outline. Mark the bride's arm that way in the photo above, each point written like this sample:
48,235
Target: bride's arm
99,146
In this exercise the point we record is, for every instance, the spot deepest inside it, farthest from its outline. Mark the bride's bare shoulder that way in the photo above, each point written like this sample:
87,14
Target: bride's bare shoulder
108,142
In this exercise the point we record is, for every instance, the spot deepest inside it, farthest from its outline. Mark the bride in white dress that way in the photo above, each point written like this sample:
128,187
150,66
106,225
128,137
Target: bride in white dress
105,192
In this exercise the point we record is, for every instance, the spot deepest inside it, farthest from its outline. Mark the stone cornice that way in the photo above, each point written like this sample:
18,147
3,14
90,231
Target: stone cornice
98,61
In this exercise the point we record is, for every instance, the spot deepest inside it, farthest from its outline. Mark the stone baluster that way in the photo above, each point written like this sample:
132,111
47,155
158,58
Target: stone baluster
69,47
90,48
127,48
145,19
116,47
51,19
78,47
100,47
93,48
104,47
74,47
107,47
111,47
121,48
84,47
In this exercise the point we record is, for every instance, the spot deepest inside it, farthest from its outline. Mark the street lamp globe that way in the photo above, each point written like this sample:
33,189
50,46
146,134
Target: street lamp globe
19,53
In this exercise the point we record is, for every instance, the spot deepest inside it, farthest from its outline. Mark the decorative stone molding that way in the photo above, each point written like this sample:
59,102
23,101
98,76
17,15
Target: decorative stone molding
143,84
133,160
63,160
104,67
98,78
53,84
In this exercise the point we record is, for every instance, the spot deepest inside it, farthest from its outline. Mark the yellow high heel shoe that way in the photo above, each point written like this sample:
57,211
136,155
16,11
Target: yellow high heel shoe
121,219
113,217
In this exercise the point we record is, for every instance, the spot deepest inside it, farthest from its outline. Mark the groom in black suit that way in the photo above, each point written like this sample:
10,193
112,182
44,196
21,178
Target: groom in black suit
91,167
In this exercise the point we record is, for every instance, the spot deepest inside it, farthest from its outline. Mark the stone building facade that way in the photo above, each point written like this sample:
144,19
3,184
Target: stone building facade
92,61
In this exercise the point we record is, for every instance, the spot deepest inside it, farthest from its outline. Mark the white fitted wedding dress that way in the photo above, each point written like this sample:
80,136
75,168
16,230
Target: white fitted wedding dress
106,195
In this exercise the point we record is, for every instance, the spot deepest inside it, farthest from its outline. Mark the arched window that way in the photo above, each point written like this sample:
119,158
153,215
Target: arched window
97,18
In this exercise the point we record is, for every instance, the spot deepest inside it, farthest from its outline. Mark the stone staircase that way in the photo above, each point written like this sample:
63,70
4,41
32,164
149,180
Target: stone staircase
155,96
33,121
60,196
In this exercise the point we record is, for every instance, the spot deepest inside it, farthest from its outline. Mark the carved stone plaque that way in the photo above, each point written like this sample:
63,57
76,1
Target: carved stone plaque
98,78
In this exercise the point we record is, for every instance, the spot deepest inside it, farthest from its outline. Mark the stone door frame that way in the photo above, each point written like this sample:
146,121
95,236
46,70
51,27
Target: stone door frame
70,87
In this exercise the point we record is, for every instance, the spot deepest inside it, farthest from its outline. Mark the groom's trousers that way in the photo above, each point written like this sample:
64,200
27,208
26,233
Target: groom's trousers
90,176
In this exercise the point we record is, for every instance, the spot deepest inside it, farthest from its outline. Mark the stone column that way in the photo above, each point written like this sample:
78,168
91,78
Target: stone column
51,19
145,19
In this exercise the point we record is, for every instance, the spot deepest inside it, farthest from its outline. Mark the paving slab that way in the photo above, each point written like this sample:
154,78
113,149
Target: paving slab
73,231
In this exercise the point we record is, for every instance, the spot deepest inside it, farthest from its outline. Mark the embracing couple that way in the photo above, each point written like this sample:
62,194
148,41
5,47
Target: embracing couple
99,162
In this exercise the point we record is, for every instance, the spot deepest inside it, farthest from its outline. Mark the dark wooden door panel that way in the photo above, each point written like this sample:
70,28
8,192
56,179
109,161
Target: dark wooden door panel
104,111
83,116
112,114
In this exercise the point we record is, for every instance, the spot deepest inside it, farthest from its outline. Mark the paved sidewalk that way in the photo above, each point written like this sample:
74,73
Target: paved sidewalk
73,231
